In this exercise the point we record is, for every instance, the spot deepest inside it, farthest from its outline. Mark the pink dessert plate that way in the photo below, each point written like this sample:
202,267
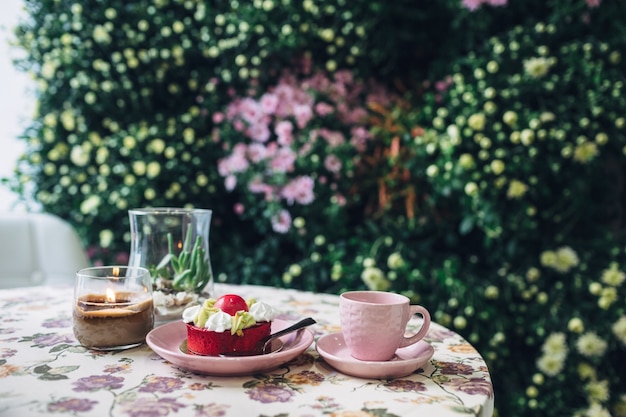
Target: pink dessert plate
333,349
167,340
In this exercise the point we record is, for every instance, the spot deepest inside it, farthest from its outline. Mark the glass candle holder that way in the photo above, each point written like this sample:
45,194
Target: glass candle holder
113,307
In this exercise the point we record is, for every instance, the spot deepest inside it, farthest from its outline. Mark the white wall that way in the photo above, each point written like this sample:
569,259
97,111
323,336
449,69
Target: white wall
17,101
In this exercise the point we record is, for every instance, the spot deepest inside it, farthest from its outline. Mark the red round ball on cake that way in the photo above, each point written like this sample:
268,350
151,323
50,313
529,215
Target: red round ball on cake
229,324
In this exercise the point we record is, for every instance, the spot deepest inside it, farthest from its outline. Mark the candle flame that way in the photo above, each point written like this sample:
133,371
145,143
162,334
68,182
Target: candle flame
110,296
180,244
116,271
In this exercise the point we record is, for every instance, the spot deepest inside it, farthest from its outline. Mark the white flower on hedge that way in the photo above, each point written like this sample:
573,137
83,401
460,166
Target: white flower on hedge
101,35
80,154
591,345
566,258
527,136
537,67
471,189
619,329
106,237
585,152
576,325
613,276
156,145
375,279
551,365
90,97
554,354
48,70
50,120
90,204
477,121
608,296
153,169
432,171
562,260
596,410
555,344
510,118
597,391
497,166
139,168
466,161
586,371
517,189
395,261
67,120
454,132
369,262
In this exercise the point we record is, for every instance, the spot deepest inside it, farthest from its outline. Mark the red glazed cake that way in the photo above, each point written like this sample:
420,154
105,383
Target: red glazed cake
227,325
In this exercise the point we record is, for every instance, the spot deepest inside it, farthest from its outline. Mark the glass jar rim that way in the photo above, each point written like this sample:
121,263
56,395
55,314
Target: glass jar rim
106,272
169,210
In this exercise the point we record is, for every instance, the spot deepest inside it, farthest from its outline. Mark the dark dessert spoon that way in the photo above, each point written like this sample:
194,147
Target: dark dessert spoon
271,343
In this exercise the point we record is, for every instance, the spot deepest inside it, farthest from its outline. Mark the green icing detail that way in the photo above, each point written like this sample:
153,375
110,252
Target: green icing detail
240,321
205,312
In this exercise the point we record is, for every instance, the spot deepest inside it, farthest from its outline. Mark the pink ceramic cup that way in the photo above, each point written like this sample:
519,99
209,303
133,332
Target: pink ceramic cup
373,323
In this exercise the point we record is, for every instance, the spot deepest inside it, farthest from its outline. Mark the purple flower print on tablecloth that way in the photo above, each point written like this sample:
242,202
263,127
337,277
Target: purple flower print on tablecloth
151,407
306,378
61,322
51,339
71,405
270,393
7,353
405,385
8,330
450,368
97,382
210,410
118,368
472,386
161,384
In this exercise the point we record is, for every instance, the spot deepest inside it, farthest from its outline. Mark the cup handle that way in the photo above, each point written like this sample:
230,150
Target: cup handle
415,309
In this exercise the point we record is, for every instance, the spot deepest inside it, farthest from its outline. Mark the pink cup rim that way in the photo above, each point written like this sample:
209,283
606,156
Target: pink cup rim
360,296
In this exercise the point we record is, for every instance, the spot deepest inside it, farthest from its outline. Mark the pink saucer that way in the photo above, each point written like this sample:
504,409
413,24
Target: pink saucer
166,341
333,349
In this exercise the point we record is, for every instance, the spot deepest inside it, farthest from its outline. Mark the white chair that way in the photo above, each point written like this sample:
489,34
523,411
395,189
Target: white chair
38,248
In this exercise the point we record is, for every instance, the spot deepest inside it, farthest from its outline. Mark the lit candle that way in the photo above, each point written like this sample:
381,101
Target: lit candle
117,316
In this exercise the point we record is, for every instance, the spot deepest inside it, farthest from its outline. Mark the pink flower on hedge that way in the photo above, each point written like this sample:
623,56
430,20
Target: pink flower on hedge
236,162
324,109
269,103
593,3
230,182
332,163
257,186
475,4
299,190
281,222
250,110
298,136
257,152
284,160
284,132
259,132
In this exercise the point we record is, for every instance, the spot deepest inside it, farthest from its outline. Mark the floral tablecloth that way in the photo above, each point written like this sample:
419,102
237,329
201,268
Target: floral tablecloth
45,371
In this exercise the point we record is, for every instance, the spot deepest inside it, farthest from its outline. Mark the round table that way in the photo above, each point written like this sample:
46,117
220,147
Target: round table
44,370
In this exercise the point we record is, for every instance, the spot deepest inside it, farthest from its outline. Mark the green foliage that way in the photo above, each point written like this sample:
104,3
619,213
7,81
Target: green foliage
490,190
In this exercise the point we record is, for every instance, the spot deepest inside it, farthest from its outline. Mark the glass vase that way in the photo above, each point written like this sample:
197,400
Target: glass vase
173,244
